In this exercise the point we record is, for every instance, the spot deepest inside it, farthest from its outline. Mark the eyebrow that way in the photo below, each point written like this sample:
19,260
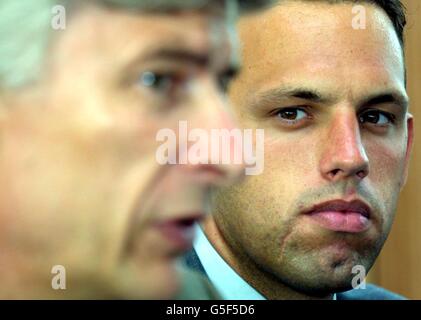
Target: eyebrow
298,93
178,55
391,97
183,56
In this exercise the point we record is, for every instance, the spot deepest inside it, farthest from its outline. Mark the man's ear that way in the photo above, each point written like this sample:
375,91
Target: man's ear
409,145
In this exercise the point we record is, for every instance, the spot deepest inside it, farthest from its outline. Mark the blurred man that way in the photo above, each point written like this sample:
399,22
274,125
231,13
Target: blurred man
326,80
82,194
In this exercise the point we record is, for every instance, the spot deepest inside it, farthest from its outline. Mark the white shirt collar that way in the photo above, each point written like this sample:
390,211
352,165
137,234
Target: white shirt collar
228,283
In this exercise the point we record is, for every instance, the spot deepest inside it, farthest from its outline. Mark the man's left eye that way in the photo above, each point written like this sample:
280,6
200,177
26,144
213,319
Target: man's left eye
377,117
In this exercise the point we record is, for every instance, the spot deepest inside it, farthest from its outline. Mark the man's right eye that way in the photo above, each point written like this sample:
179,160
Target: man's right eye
291,115
161,82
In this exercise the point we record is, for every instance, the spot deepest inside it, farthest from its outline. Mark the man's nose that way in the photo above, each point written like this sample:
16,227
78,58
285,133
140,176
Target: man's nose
343,154
214,116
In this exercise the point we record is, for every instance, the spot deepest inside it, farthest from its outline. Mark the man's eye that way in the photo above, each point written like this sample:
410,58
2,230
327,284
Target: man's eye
291,115
377,117
225,79
223,82
156,81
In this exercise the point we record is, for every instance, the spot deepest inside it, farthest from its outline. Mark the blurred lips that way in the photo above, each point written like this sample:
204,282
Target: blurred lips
342,216
179,232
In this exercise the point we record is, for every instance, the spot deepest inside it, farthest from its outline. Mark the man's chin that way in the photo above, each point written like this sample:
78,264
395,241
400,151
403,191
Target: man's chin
322,288
321,280
158,281
330,288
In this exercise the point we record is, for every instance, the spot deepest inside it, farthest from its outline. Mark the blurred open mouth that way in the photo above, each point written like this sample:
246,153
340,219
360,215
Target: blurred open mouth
180,232
342,216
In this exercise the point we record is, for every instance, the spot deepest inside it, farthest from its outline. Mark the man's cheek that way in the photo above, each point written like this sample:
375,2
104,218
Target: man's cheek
387,175
288,154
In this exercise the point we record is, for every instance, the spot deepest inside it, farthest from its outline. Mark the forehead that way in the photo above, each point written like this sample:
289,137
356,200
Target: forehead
120,34
315,42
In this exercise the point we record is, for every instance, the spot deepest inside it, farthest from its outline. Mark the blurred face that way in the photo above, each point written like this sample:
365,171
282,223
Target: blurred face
82,187
333,105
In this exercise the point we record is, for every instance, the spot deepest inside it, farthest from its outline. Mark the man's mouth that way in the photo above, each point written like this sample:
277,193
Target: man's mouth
342,216
179,232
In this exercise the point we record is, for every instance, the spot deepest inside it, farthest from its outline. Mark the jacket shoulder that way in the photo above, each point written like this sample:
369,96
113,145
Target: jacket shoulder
371,292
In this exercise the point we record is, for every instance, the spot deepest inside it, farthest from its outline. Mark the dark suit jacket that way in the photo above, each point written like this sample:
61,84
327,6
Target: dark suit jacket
371,292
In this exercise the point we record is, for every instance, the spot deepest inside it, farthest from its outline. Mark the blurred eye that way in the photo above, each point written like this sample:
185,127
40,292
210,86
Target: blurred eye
377,117
225,79
169,87
223,82
291,115
158,82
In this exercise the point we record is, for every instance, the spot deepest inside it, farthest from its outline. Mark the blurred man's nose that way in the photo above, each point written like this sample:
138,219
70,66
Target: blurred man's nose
213,115
343,154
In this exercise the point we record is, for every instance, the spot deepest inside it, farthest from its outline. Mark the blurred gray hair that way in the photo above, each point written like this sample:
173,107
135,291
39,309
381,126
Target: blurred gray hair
25,30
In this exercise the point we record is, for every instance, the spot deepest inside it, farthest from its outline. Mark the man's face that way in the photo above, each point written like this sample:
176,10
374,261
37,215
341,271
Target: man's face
333,105
81,185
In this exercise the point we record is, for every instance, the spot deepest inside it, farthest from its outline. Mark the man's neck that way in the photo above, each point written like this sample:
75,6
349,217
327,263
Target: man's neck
266,283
